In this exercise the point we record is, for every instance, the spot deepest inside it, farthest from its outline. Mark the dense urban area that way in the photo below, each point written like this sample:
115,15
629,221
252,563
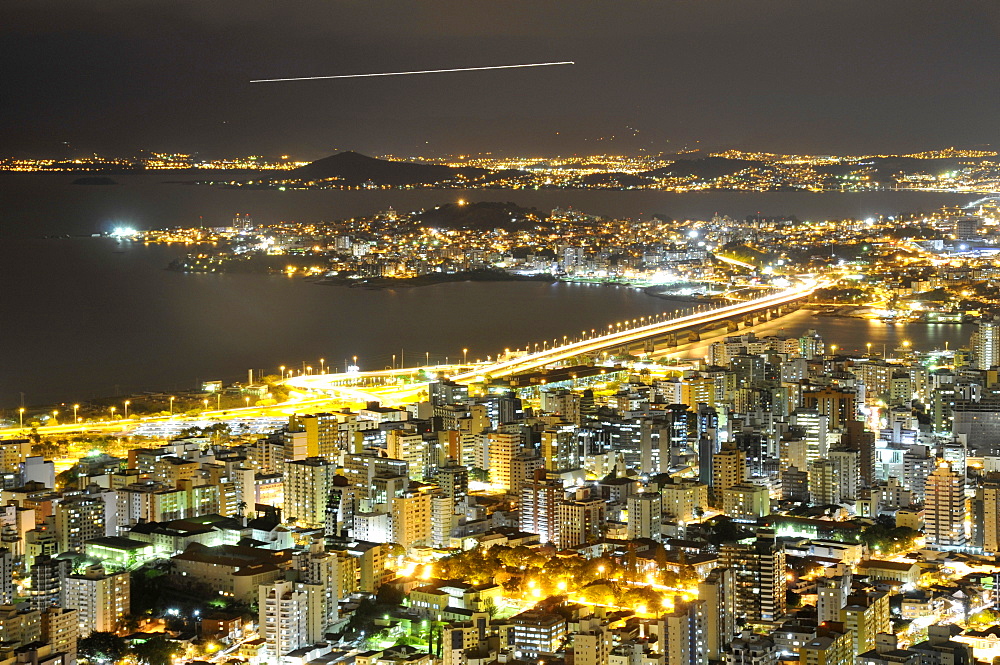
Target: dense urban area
767,498
936,266
949,170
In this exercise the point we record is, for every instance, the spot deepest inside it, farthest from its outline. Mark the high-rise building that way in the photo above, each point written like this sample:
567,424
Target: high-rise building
453,479
866,615
591,642
84,517
684,499
322,571
534,632
308,483
48,576
856,437
6,576
794,484
19,626
290,616
408,445
242,222
751,649
824,483
443,519
560,448
61,629
580,520
410,519
561,402
645,515
718,593
944,511
815,428
986,517
746,502
847,463
831,596
539,506
100,599
501,449
728,468
759,568
684,634
838,404
13,452
918,463
830,647
986,344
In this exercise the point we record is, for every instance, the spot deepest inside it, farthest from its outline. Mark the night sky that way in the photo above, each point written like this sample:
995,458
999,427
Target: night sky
817,76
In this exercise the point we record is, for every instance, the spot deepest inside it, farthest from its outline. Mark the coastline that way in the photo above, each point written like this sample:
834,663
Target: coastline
431,279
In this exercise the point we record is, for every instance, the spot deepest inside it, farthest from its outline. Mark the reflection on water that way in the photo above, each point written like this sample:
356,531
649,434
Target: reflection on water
94,315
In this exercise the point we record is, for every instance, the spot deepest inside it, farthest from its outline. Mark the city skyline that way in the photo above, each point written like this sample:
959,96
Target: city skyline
715,382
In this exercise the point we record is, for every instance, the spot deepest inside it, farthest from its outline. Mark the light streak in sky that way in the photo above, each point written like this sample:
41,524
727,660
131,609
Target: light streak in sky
420,71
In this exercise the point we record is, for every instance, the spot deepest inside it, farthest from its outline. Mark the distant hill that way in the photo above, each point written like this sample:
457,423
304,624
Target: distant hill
485,215
887,167
353,168
614,179
707,168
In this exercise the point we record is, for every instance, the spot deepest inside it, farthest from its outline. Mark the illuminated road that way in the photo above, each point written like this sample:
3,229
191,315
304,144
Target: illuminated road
540,359
396,386
324,392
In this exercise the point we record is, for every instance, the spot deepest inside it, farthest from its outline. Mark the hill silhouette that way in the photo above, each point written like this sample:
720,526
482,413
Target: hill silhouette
353,168
707,168
484,215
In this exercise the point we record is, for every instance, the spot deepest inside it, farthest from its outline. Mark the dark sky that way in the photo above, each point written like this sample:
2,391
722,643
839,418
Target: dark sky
821,76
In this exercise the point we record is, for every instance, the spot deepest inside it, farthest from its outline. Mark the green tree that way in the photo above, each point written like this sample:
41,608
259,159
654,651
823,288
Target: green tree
101,647
887,540
157,650
68,477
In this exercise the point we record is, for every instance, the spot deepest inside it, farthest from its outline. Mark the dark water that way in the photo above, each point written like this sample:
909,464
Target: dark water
36,204
83,317
91,314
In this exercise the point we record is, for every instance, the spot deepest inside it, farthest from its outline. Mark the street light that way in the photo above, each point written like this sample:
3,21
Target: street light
247,399
76,407
55,414
20,413
322,365
112,413
127,402
465,356
172,405
282,368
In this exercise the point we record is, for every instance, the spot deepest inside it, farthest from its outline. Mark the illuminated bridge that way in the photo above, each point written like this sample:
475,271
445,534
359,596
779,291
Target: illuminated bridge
641,334
398,385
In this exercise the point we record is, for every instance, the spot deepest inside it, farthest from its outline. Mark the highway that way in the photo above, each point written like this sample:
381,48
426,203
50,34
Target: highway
540,359
324,392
